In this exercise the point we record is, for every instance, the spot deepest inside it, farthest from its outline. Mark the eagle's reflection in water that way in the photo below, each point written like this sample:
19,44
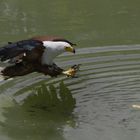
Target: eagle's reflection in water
42,115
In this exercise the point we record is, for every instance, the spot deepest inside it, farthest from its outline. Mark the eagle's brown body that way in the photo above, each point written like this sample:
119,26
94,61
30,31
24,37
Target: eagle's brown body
21,69
31,62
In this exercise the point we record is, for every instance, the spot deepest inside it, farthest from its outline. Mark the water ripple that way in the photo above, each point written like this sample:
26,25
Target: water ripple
108,84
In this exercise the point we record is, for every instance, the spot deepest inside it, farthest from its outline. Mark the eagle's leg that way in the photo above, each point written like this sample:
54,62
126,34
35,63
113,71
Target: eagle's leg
52,70
18,69
71,72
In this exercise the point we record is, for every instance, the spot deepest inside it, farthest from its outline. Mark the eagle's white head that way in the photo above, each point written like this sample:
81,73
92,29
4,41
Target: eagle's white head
55,48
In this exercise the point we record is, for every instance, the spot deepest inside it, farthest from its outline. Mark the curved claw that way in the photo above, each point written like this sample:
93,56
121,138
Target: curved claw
71,72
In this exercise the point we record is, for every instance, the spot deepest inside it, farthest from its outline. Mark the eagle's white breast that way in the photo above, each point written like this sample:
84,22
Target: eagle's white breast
52,49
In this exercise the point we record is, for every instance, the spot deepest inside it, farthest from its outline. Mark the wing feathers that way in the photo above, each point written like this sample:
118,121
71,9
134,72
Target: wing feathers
12,50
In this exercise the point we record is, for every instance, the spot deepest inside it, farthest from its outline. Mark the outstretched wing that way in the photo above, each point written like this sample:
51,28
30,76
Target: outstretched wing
18,49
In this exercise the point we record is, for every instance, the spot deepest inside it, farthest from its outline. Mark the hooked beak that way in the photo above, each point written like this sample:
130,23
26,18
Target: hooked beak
70,49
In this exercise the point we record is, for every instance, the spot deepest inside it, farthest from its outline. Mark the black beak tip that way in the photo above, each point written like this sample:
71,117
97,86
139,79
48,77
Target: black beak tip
74,51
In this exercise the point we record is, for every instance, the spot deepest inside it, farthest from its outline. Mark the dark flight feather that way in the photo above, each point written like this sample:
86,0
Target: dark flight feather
12,50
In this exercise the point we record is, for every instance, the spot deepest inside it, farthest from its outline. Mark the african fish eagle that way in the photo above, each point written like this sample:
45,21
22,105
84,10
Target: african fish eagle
34,55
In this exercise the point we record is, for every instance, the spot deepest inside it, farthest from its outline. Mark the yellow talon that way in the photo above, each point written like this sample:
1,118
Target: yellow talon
71,72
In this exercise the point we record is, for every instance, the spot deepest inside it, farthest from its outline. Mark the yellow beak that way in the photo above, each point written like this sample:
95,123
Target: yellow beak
70,49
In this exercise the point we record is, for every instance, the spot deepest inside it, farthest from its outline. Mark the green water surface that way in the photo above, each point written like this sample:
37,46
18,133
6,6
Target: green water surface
98,104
